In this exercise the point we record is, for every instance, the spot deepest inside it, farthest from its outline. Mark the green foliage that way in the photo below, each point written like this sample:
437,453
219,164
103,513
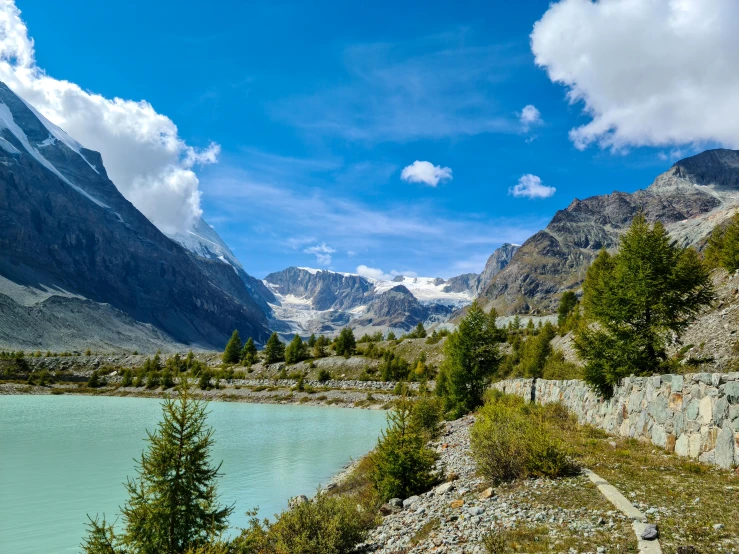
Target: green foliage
393,367
319,348
274,350
534,352
567,305
418,333
249,352
723,246
94,380
471,360
232,352
204,382
127,379
296,350
167,381
640,299
324,375
436,336
510,440
345,344
152,380
312,340
402,463
426,415
328,524
172,502
390,335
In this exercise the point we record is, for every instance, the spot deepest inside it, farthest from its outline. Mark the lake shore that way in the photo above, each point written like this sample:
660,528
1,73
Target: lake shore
328,397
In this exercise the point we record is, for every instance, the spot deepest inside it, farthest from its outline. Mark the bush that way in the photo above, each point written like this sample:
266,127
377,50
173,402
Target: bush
324,375
426,415
94,380
127,379
204,382
327,524
510,440
152,380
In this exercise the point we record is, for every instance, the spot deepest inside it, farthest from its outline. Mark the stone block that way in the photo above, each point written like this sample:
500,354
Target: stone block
659,437
731,390
670,443
676,402
658,409
677,383
702,378
693,409
724,453
720,411
678,424
706,410
682,445
694,445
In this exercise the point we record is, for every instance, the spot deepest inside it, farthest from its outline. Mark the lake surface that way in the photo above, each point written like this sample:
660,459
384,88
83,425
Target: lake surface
63,457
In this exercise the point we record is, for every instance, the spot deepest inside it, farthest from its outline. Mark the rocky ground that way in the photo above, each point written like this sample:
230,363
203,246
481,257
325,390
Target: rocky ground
457,515
713,337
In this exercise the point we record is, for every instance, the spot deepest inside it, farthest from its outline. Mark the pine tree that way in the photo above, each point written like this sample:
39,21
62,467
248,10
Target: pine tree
312,340
173,502
402,463
296,350
641,298
567,304
274,350
346,344
232,352
390,335
156,363
127,379
419,332
249,352
471,359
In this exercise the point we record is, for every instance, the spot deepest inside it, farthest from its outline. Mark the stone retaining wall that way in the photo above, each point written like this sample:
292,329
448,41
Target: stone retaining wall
693,415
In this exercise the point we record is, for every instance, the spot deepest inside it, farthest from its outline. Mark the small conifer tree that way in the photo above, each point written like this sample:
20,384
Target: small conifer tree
173,505
346,344
296,350
274,350
232,352
249,353
402,463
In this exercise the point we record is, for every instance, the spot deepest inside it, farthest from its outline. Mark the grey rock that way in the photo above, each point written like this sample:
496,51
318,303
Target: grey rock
650,532
408,502
296,501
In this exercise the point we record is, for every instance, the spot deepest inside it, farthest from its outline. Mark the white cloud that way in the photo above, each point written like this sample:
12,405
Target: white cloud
529,117
648,72
530,186
322,252
426,173
142,151
380,275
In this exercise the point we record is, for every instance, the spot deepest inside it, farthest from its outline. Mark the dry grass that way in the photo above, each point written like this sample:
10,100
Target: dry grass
686,498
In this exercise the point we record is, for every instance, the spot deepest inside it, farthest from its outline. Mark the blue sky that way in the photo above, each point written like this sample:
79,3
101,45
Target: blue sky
319,106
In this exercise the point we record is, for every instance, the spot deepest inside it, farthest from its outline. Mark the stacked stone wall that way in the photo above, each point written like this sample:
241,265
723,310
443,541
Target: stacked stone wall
695,415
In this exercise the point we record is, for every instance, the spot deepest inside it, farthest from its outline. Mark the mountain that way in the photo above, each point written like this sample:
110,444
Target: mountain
321,301
475,282
81,266
691,198
204,243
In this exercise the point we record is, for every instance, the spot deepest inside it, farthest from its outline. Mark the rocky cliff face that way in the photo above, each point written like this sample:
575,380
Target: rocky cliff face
398,309
67,233
691,198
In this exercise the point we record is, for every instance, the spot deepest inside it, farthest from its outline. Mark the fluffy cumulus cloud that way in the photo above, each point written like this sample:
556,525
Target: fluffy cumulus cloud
142,151
426,173
529,117
322,252
647,72
530,186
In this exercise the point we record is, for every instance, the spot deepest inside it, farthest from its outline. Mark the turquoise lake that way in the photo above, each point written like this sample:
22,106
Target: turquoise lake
63,457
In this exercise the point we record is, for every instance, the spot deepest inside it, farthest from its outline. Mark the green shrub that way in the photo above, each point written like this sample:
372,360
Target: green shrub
327,525
427,414
324,375
204,382
510,440
152,380
127,379
94,380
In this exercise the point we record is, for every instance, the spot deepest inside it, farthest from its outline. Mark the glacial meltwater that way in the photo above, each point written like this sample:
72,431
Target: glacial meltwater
64,457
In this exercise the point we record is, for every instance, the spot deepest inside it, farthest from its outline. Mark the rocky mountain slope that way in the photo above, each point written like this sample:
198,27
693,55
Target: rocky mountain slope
691,198
80,265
